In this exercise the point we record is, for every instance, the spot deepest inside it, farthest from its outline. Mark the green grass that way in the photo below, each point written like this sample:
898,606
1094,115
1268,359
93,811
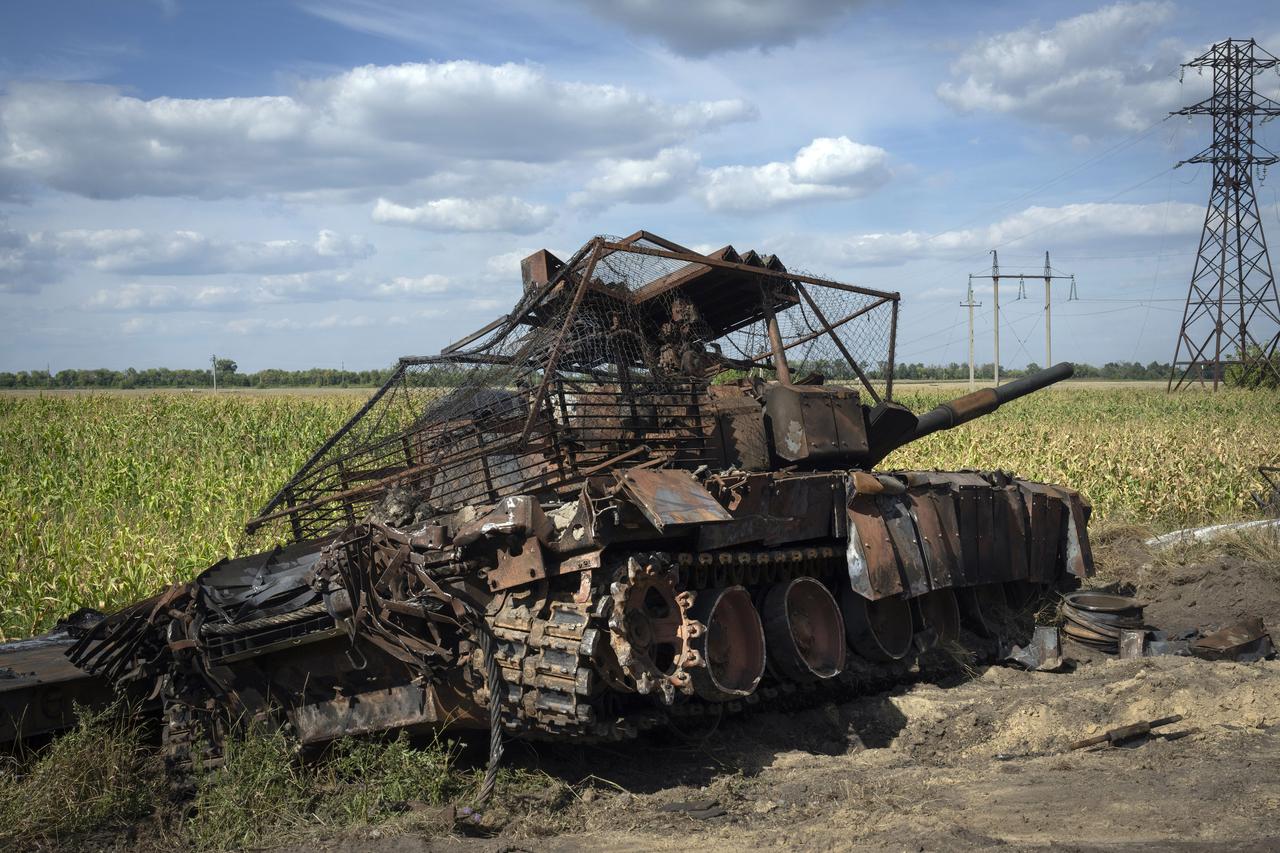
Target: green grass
100,778
97,777
264,794
105,498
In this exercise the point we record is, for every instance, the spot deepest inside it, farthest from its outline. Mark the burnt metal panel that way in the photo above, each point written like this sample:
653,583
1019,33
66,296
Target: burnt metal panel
1067,529
966,502
518,564
1075,553
364,713
38,687
988,569
739,431
1014,531
939,544
815,423
1038,537
671,498
801,508
873,565
906,542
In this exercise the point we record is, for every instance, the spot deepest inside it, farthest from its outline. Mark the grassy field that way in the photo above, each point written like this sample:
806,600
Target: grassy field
106,497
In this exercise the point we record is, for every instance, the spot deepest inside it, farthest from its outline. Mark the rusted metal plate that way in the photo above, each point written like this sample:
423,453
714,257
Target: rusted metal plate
1001,564
801,507
364,713
815,423
953,479
873,565
1075,552
1246,639
987,568
739,430
671,498
1051,532
966,501
906,542
518,564
1056,513
939,539
1015,530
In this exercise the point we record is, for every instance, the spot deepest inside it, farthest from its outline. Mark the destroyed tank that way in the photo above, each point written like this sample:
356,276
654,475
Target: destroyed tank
651,491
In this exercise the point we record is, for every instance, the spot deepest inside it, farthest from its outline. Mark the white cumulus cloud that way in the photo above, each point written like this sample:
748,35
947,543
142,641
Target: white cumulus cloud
1102,70
1093,224
826,168
367,129
139,252
494,213
29,261
657,179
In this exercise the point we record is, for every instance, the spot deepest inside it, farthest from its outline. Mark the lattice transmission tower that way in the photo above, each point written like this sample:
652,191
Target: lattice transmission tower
1232,317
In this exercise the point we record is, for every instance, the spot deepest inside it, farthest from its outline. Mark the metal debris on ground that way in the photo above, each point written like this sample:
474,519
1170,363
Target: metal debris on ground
1124,734
1042,654
1097,619
1245,641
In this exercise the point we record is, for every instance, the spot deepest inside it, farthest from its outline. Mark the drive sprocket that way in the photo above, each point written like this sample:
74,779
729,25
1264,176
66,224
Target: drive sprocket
650,629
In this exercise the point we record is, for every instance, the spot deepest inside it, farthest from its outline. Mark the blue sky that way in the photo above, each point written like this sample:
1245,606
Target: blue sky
325,184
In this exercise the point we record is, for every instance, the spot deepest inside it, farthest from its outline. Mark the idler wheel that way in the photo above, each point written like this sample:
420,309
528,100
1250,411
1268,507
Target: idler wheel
805,631
877,630
939,611
731,646
984,609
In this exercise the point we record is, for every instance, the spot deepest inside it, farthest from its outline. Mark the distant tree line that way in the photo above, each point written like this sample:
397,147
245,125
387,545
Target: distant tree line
318,377
1110,370
164,377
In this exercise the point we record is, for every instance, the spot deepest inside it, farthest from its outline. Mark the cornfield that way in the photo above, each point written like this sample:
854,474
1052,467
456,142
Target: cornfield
106,498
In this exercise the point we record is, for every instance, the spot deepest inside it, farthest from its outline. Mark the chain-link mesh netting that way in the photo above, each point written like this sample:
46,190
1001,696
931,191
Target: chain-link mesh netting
605,360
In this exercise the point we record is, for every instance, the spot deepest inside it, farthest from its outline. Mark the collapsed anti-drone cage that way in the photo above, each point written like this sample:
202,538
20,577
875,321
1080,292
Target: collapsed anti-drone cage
613,358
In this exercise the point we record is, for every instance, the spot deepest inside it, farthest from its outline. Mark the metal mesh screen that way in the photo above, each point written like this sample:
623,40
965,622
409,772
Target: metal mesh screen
606,362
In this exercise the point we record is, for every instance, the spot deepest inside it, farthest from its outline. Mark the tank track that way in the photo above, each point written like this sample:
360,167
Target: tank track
562,683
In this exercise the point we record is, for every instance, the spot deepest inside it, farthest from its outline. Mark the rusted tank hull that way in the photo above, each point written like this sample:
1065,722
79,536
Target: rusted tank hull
642,601
599,513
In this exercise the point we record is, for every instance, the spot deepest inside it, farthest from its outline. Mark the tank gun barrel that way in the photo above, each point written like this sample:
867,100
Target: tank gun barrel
978,403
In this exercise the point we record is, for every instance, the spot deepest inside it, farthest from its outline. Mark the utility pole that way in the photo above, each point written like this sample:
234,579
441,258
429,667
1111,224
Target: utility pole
970,304
213,361
995,285
996,275
1048,333
1232,303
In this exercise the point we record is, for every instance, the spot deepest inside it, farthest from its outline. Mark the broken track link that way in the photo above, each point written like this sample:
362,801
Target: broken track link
544,651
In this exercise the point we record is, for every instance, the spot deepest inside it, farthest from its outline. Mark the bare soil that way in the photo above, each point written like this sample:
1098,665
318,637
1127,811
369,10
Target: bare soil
972,765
